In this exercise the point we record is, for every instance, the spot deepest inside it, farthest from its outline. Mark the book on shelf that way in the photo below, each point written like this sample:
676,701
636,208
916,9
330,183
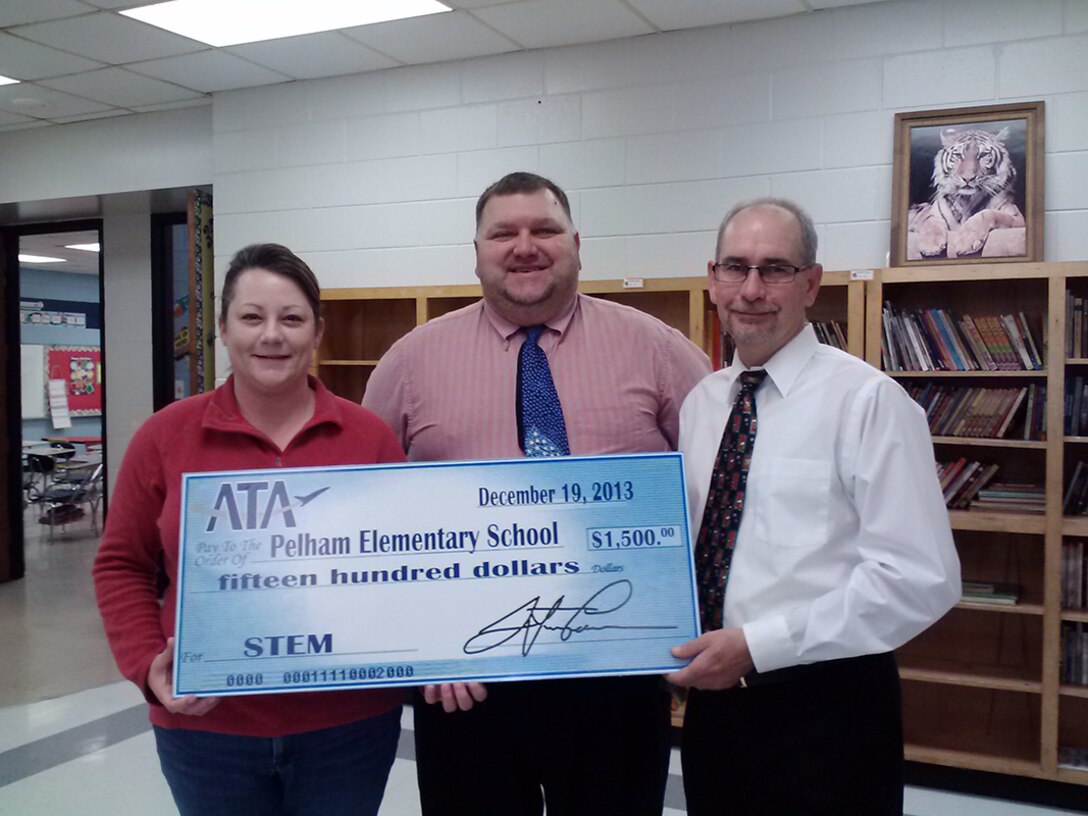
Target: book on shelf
1017,340
1073,758
982,477
963,411
1074,667
1074,575
978,347
1036,351
998,341
1011,497
1075,502
989,592
961,481
940,340
830,333
1076,327
1075,419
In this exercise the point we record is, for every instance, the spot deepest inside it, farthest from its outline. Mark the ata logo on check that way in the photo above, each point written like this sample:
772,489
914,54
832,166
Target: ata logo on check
261,503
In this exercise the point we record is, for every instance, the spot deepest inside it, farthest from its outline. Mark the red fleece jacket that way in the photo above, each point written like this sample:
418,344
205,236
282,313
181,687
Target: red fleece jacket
206,433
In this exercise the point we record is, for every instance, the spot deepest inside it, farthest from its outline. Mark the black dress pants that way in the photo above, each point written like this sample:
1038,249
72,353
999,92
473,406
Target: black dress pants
589,747
819,739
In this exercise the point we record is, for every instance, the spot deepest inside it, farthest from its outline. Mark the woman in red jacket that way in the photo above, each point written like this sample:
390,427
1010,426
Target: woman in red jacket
325,753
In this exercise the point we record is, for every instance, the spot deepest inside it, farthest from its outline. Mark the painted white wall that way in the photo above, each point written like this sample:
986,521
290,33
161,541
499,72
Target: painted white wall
373,177
150,151
126,243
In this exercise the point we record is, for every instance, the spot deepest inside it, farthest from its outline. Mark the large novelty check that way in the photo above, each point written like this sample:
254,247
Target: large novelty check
398,575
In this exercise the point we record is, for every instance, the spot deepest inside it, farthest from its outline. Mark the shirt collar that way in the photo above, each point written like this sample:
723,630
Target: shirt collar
788,362
223,413
507,329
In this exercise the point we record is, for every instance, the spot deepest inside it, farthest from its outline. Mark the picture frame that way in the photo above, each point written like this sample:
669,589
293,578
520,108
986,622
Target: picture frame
967,185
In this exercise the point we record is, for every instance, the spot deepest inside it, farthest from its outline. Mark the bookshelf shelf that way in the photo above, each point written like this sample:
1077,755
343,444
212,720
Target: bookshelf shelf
348,362
972,759
999,522
1075,615
1014,609
971,679
1075,525
980,442
1068,690
974,375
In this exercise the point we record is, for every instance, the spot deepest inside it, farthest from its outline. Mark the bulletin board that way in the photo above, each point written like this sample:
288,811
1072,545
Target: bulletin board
81,369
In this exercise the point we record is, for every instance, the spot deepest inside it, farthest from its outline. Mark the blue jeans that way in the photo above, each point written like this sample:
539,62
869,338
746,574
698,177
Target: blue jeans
331,772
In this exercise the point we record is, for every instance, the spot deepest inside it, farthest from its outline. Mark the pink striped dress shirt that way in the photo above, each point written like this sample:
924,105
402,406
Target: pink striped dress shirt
447,389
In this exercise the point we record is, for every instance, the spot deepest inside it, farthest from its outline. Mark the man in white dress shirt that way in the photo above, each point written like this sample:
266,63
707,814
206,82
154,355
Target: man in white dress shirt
843,551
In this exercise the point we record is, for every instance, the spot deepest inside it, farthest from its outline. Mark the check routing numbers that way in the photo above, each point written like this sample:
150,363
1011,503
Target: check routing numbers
257,534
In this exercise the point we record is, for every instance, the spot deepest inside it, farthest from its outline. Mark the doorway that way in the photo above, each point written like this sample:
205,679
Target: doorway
55,396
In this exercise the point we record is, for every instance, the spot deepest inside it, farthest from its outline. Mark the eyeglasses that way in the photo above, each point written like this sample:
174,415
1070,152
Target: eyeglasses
732,272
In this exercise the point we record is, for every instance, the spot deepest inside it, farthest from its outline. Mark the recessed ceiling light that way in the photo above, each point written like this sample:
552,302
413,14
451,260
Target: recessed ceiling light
39,259
84,247
231,22
7,80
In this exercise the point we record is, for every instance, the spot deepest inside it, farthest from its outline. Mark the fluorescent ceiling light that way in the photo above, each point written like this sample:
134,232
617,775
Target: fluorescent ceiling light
231,22
8,81
84,247
39,259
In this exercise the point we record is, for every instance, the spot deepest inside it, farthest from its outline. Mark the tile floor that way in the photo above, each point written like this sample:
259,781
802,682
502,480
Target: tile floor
74,737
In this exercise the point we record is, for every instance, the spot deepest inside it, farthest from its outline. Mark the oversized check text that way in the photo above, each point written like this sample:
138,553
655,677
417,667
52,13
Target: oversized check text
401,575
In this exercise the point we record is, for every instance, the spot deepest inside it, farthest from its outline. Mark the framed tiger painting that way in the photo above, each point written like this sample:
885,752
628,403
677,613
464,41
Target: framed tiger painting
967,185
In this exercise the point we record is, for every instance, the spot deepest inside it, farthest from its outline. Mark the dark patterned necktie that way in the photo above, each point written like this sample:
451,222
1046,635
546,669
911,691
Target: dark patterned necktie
725,501
541,429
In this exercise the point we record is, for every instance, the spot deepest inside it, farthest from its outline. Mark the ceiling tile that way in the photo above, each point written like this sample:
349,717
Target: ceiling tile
19,12
314,55
433,38
116,86
30,123
51,104
821,4
14,119
187,103
209,71
543,23
109,38
20,59
86,117
472,4
673,14
117,4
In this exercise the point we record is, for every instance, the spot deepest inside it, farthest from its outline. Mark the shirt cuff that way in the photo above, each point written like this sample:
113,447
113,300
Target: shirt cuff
769,643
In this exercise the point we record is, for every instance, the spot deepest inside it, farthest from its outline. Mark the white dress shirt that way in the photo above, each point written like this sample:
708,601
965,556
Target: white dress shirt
844,546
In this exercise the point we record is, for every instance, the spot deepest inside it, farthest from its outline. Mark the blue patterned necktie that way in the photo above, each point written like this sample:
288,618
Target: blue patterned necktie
725,501
541,429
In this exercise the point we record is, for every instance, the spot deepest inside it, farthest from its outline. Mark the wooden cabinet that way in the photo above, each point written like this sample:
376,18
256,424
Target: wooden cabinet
981,687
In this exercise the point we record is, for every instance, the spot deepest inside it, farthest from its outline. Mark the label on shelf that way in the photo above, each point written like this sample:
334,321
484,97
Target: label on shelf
633,283
861,274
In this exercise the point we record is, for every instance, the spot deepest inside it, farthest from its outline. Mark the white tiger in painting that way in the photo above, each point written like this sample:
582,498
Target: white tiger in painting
973,178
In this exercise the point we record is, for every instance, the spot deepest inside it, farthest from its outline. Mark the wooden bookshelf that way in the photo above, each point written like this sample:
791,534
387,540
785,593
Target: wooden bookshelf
982,687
